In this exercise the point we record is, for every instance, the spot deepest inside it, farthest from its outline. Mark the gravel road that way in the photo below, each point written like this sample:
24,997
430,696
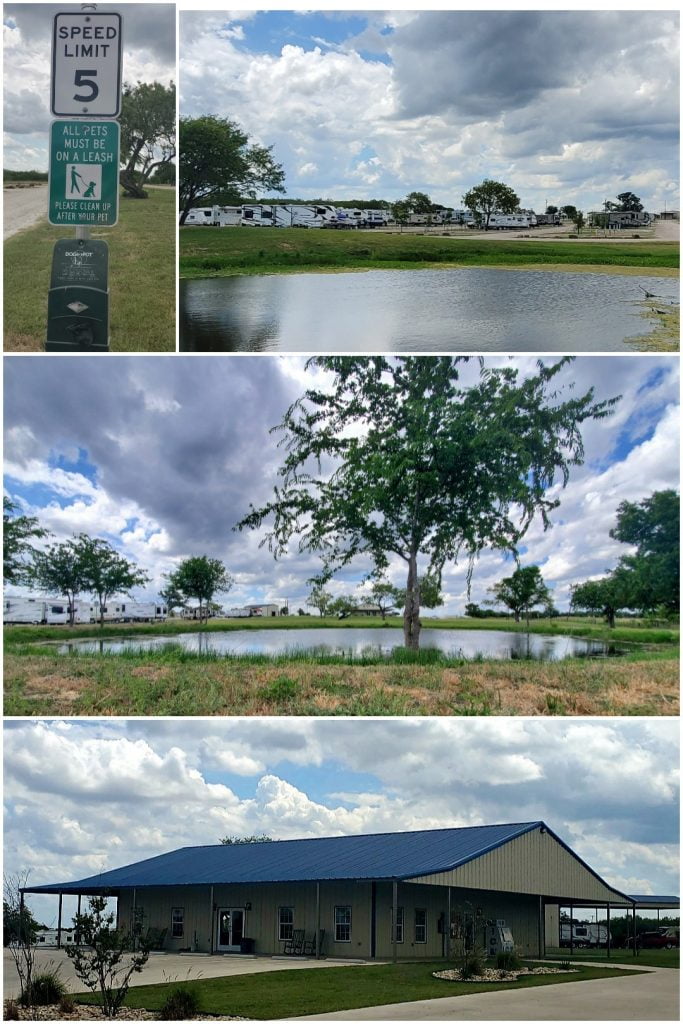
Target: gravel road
22,207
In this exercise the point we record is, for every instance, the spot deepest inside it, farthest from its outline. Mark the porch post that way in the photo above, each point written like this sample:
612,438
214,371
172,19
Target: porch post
609,935
59,922
133,918
571,929
211,920
394,919
317,920
635,937
448,924
541,928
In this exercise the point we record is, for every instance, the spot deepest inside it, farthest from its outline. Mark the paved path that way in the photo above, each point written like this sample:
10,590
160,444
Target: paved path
651,996
163,967
22,207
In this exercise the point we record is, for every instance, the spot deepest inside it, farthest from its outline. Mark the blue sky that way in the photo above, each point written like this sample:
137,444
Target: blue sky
165,456
131,789
568,107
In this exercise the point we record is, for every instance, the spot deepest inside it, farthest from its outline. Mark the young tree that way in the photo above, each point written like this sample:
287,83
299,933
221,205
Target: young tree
171,596
216,159
19,931
61,569
103,959
319,598
385,595
148,144
200,577
394,457
522,591
488,198
17,550
579,221
104,572
400,211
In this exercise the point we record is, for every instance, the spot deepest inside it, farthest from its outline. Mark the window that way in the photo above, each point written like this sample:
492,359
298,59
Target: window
399,924
420,926
177,922
342,924
285,923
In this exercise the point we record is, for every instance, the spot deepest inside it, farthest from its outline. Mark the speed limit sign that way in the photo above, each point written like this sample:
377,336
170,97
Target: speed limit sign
86,64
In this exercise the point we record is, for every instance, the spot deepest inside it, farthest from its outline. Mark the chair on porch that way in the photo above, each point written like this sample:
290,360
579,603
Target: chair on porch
310,944
295,945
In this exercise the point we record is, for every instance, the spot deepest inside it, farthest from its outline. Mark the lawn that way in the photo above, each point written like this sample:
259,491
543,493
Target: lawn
224,252
142,278
169,681
646,957
280,994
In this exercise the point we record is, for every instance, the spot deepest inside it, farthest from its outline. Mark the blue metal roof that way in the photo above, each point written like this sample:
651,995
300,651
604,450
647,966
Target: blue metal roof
389,855
663,902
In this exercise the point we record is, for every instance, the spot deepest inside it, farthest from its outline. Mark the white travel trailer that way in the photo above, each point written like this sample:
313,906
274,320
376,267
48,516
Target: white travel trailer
237,613
50,937
148,611
56,611
214,216
200,215
375,218
312,216
349,218
256,215
85,612
584,935
27,610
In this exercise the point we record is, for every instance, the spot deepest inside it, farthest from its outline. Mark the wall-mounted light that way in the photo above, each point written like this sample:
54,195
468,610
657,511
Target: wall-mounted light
247,905
543,830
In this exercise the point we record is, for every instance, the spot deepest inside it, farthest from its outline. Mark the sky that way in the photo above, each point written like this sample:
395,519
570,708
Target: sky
566,107
86,796
163,456
149,53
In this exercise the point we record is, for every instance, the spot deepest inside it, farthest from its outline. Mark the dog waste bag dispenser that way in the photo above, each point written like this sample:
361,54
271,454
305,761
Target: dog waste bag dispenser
78,300
498,938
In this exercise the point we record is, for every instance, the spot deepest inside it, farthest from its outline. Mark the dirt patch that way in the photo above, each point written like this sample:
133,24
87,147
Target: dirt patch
54,687
22,342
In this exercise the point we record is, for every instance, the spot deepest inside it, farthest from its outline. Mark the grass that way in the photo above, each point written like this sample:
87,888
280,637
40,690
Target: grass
141,278
667,328
226,252
646,957
283,994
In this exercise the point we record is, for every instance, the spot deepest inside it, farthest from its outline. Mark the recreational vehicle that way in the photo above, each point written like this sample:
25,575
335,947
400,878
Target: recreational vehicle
583,935
29,610
237,613
145,612
312,216
214,216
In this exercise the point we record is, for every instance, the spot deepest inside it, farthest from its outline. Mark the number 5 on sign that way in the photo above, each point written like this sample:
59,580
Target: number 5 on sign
86,64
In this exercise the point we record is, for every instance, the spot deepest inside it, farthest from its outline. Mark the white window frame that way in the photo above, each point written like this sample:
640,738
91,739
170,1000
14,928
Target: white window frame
177,918
420,925
346,909
283,926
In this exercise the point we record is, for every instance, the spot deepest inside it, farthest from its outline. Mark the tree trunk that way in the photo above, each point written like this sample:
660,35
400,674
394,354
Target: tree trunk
133,188
411,612
610,614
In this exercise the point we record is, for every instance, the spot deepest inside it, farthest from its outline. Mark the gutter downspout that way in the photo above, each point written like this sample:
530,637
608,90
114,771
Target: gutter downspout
541,928
59,922
609,934
394,918
317,920
447,929
211,920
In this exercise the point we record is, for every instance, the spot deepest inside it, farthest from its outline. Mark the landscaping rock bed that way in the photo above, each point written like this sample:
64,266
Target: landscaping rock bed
492,974
85,1012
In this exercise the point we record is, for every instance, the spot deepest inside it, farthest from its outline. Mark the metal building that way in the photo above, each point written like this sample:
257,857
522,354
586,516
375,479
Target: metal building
402,895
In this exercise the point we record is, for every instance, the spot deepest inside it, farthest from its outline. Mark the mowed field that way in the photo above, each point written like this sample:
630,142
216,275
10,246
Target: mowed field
224,252
169,681
142,278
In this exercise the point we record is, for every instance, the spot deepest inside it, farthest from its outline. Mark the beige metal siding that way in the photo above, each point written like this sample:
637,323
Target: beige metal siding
532,863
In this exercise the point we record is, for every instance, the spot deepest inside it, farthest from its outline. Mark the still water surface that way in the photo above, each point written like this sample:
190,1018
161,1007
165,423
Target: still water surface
467,643
423,310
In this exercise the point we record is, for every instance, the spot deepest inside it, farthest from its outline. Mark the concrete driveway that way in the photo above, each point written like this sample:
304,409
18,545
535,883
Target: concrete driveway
163,967
651,996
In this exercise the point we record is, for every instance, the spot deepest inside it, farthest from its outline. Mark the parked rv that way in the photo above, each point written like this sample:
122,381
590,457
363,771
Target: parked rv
27,610
214,216
584,935
145,612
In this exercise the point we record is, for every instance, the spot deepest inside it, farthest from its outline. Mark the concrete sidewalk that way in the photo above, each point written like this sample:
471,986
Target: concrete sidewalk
165,967
651,996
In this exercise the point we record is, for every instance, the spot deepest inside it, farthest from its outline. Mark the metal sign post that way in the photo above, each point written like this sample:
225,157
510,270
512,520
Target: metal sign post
84,173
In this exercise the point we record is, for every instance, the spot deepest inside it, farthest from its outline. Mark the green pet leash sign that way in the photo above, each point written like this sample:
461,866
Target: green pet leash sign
84,173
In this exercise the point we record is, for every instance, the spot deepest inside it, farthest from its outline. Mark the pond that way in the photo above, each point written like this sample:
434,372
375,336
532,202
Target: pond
466,643
473,308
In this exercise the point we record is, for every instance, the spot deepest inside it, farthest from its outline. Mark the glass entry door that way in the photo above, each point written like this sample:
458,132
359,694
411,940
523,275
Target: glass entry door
230,929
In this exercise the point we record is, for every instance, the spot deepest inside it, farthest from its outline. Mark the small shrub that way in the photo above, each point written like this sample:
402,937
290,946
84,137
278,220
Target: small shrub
565,965
46,988
181,1004
473,965
11,1010
66,1003
508,962
282,690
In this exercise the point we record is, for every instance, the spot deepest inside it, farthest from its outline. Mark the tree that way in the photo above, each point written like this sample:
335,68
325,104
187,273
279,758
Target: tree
103,959
240,840
394,457
522,591
17,550
171,596
569,212
551,209
148,142
606,596
629,201
200,577
19,931
400,211
319,598
488,198
342,606
216,158
429,591
579,221
385,595
474,611
61,569
164,175
653,526
104,571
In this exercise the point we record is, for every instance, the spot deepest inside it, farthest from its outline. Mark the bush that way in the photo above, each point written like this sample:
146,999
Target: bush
66,1003
46,988
181,1004
508,962
565,965
11,1010
473,965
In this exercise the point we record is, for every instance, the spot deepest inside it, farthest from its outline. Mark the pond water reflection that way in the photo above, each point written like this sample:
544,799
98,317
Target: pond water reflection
473,308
